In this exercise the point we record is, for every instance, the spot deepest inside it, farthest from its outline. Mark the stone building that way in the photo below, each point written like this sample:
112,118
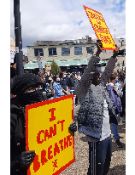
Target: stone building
70,55
61,50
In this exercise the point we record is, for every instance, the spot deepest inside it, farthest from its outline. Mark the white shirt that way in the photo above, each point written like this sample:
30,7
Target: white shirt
106,132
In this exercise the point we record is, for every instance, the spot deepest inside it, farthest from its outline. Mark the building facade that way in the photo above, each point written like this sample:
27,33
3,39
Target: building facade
70,55
61,50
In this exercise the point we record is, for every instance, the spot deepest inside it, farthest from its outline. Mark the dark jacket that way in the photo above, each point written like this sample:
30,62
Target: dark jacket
116,103
71,83
17,136
63,83
115,98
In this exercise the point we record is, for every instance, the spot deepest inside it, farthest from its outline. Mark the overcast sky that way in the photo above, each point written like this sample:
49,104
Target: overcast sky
66,19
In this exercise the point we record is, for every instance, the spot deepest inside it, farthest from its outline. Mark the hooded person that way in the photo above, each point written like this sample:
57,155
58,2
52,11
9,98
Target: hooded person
95,111
26,89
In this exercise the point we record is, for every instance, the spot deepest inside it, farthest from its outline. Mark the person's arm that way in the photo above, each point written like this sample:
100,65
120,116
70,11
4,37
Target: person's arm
109,68
66,92
25,158
85,81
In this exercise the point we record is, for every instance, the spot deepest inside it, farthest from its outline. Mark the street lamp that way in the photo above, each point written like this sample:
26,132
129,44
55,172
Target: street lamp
18,38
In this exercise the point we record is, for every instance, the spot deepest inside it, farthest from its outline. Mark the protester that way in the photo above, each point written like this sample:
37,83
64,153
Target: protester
78,76
70,81
63,81
48,88
95,111
26,89
118,84
57,88
118,109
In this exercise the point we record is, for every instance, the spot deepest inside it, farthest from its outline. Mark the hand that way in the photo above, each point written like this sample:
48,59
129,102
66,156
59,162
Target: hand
88,139
26,158
116,51
65,92
72,128
99,47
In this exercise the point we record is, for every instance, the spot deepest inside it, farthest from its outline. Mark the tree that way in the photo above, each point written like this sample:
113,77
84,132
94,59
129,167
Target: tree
55,69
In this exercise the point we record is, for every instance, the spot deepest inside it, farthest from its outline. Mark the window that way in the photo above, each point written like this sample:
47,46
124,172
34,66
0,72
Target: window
89,50
78,50
65,51
38,52
52,51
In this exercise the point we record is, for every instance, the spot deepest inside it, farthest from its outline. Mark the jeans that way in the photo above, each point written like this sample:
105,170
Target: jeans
103,157
114,130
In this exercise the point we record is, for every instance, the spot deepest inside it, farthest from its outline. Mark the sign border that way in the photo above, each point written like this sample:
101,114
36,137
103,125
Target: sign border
85,7
35,105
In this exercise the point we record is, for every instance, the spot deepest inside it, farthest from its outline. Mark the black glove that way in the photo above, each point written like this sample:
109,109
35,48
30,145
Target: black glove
72,128
26,158
99,47
116,52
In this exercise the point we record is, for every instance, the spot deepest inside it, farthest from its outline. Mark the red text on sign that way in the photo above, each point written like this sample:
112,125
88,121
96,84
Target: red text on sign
46,134
51,151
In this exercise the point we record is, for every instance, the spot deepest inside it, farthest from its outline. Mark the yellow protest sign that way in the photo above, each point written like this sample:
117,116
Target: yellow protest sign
47,134
101,30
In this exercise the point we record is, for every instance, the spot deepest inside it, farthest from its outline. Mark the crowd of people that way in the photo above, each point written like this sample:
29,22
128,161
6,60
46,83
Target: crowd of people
101,96
61,84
